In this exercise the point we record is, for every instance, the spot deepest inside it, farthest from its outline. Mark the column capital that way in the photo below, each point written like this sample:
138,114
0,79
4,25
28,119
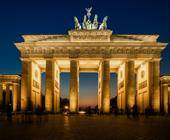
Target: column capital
129,60
153,60
16,84
165,84
105,59
50,59
74,59
26,59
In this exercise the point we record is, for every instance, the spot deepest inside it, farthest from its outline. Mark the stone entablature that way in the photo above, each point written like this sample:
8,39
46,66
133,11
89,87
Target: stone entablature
165,80
10,79
92,52
91,44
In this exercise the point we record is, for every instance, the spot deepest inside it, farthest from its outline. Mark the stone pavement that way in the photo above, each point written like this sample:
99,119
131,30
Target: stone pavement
60,127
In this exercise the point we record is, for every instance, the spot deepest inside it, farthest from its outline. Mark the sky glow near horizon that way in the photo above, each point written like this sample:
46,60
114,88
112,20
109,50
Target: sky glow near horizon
56,17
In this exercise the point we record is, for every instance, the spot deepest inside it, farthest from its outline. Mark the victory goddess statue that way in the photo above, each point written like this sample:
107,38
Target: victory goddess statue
88,24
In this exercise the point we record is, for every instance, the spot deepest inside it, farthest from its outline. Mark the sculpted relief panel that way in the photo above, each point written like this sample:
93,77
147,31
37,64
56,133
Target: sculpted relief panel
88,36
90,52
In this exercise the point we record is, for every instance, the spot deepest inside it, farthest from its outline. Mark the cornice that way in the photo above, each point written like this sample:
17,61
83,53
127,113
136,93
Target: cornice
82,44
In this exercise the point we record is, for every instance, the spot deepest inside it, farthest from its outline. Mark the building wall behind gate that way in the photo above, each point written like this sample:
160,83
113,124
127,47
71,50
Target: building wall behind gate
142,87
121,88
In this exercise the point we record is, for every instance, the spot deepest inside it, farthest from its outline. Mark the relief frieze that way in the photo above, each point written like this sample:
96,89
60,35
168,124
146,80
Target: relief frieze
90,51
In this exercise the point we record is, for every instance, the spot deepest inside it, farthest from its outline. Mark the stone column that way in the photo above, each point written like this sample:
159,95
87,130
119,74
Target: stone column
121,101
99,86
7,94
15,97
74,86
156,85
26,85
52,97
130,83
57,89
19,97
150,83
49,85
105,97
165,97
39,102
1,96
56,102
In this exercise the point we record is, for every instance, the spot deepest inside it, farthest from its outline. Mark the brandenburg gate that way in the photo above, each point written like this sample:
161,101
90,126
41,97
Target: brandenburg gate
91,48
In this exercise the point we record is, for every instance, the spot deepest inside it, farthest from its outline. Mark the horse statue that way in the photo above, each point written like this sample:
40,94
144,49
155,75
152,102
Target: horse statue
84,24
77,24
95,23
103,26
88,25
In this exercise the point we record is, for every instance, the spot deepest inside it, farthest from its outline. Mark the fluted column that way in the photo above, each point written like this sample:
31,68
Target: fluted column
15,97
130,83
74,86
57,89
26,85
105,97
7,94
19,97
49,91
156,84
1,96
99,86
165,97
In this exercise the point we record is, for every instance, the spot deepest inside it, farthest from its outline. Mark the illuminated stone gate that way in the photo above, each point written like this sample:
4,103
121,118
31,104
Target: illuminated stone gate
92,48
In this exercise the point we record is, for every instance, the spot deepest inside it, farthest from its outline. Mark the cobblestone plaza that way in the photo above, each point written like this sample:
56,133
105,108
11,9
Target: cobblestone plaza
58,127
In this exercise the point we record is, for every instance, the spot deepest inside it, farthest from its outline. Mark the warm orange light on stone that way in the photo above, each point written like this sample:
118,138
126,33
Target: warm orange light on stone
10,85
105,97
93,51
74,86
15,97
